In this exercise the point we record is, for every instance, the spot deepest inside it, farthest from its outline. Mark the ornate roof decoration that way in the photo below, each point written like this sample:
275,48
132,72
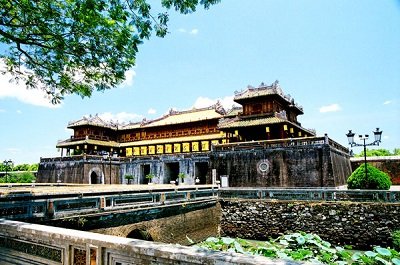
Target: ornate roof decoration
95,121
234,111
264,90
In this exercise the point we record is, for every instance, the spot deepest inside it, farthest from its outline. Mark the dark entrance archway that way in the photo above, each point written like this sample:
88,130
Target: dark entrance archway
201,171
94,178
145,170
171,171
140,234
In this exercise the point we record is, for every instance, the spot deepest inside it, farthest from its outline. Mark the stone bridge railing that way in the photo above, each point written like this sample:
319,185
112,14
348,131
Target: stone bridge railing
27,206
23,243
311,194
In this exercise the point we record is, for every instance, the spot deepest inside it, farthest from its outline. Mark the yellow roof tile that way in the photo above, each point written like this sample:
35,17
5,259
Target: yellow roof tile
185,117
250,122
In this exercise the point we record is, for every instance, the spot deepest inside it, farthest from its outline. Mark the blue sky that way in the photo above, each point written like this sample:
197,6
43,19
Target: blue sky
340,60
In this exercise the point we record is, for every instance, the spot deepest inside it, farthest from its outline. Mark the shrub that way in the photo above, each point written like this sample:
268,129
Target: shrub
396,239
375,179
129,178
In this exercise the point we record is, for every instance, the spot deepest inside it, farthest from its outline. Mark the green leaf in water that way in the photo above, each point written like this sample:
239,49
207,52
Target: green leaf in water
212,239
227,240
396,261
370,254
356,256
283,242
238,248
385,262
383,251
300,240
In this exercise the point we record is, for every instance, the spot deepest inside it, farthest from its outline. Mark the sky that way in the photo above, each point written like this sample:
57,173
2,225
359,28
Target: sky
340,60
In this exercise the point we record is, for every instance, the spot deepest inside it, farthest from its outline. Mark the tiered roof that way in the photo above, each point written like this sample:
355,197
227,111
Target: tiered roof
94,121
172,117
264,90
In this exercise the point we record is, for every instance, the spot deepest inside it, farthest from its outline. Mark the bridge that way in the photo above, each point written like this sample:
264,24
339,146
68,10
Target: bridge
122,214
112,207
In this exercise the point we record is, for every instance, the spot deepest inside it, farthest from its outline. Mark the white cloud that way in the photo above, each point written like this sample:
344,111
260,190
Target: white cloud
151,111
194,32
330,108
19,91
129,75
190,32
121,117
13,151
227,102
19,111
387,102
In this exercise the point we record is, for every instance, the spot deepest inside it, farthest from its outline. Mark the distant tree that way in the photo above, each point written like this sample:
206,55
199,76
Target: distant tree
396,152
375,152
78,46
24,177
21,167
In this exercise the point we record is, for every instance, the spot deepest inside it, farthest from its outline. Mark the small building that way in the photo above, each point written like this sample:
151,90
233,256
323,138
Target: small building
182,142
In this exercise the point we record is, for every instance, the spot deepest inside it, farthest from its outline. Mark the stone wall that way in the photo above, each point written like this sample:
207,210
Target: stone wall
197,225
362,225
292,166
165,168
79,170
388,164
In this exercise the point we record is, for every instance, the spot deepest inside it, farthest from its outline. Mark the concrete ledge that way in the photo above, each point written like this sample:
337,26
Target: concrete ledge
70,245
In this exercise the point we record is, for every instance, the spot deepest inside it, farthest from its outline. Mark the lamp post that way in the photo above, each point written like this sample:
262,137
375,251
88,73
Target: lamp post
364,138
6,164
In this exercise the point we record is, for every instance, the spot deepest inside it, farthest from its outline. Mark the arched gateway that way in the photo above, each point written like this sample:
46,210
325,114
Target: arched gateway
96,176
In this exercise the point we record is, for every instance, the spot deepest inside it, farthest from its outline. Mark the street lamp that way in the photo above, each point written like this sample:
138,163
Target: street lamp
350,137
6,164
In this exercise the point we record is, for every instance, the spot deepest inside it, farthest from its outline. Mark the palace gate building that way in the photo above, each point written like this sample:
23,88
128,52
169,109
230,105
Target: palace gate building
259,143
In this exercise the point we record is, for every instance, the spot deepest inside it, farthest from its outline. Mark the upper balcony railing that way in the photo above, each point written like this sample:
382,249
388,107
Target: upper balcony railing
291,142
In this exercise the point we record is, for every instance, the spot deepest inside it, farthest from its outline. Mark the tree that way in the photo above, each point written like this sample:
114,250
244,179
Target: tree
378,152
78,46
375,179
396,152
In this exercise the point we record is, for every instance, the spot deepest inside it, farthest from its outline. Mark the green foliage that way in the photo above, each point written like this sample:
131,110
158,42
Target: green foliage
396,239
21,167
182,176
129,178
24,177
150,176
375,179
33,167
303,247
77,152
78,46
379,152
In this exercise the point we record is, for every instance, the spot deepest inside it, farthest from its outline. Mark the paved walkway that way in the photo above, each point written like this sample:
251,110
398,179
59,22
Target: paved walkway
40,188
76,188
